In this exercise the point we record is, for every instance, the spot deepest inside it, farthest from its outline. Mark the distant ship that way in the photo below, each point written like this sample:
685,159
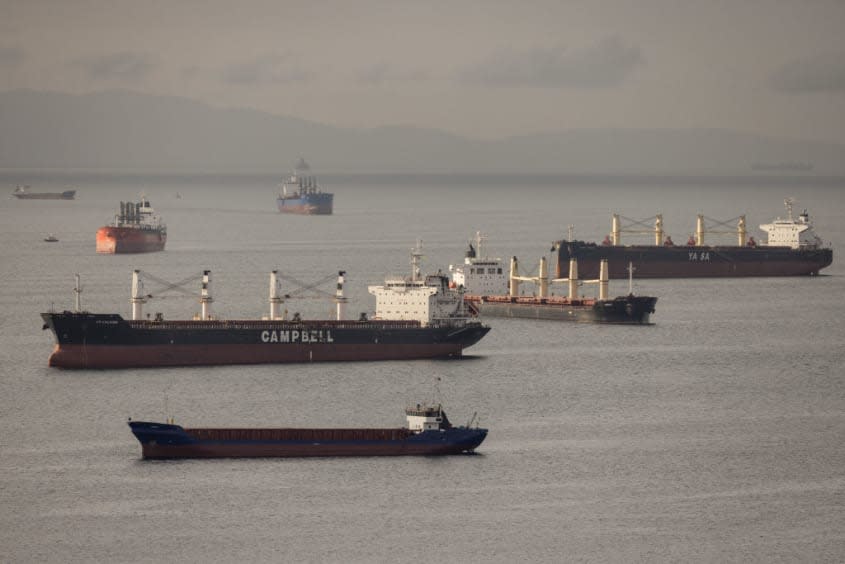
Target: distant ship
416,317
135,229
302,195
23,193
791,248
494,293
783,167
429,432
51,238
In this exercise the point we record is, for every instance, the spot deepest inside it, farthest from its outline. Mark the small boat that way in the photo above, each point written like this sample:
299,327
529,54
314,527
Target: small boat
428,432
50,238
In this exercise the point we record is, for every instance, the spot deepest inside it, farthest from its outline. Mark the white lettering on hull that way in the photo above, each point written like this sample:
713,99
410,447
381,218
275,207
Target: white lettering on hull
296,336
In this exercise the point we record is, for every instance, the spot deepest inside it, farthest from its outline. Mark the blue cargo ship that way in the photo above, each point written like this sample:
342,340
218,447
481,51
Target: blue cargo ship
429,432
301,194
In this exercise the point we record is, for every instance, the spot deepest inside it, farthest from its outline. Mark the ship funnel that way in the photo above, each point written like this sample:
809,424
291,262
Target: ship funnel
205,295
543,278
573,278
514,278
603,279
275,296
138,300
339,297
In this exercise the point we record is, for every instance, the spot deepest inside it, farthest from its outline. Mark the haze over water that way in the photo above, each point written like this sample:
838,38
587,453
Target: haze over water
713,435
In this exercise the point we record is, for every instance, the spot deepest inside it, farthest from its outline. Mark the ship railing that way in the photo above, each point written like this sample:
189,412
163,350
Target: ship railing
217,324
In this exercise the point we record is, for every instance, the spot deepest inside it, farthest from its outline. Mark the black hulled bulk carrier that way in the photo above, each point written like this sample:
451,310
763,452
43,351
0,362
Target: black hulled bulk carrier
493,292
416,317
791,248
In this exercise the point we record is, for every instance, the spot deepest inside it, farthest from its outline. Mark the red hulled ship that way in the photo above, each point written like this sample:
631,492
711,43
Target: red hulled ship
135,229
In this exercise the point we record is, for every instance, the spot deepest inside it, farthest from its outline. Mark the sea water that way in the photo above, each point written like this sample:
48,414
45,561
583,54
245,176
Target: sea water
715,434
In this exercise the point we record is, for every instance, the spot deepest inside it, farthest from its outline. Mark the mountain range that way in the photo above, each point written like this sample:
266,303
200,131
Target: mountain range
128,130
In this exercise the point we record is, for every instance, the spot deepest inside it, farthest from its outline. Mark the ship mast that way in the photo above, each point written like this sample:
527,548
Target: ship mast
77,290
416,255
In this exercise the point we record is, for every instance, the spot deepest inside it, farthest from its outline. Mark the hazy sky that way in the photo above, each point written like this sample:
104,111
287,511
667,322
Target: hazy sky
477,68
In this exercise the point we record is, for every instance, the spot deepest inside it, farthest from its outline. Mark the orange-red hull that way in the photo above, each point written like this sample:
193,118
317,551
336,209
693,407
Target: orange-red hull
112,240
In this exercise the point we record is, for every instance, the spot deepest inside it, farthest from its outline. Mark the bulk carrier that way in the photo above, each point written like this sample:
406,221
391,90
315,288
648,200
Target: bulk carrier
429,432
791,248
135,229
416,317
300,193
492,292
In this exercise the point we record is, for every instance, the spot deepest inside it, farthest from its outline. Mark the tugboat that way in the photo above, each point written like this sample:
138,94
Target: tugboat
428,432
302,195
50,238
493,293
135,229
415,318
791,248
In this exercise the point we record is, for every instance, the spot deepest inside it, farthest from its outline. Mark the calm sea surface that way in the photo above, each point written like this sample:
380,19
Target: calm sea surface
715,435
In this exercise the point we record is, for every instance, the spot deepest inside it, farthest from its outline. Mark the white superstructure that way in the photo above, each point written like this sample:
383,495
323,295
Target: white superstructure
428,299
425,417
300,182
790,232
480,275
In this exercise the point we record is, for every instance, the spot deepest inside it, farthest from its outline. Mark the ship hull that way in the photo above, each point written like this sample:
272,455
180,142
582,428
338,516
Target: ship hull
162,441
104,341
66,195
117,240
627,310
691,261
309,204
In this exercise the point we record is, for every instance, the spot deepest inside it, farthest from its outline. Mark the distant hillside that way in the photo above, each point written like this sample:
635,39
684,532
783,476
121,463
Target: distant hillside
119,129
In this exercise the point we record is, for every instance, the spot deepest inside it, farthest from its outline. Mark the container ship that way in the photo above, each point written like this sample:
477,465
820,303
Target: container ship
416,317
428,432
493,293
135,229
300,193
790,248
23,193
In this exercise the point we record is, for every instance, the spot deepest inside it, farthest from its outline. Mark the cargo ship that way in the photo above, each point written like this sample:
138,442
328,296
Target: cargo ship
300,193
790,248
23,193
493,293
428,432
416,317
135,229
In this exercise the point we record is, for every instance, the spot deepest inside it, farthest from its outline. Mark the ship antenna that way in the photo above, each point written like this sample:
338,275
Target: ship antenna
571,232
631,270
78,290
788,203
